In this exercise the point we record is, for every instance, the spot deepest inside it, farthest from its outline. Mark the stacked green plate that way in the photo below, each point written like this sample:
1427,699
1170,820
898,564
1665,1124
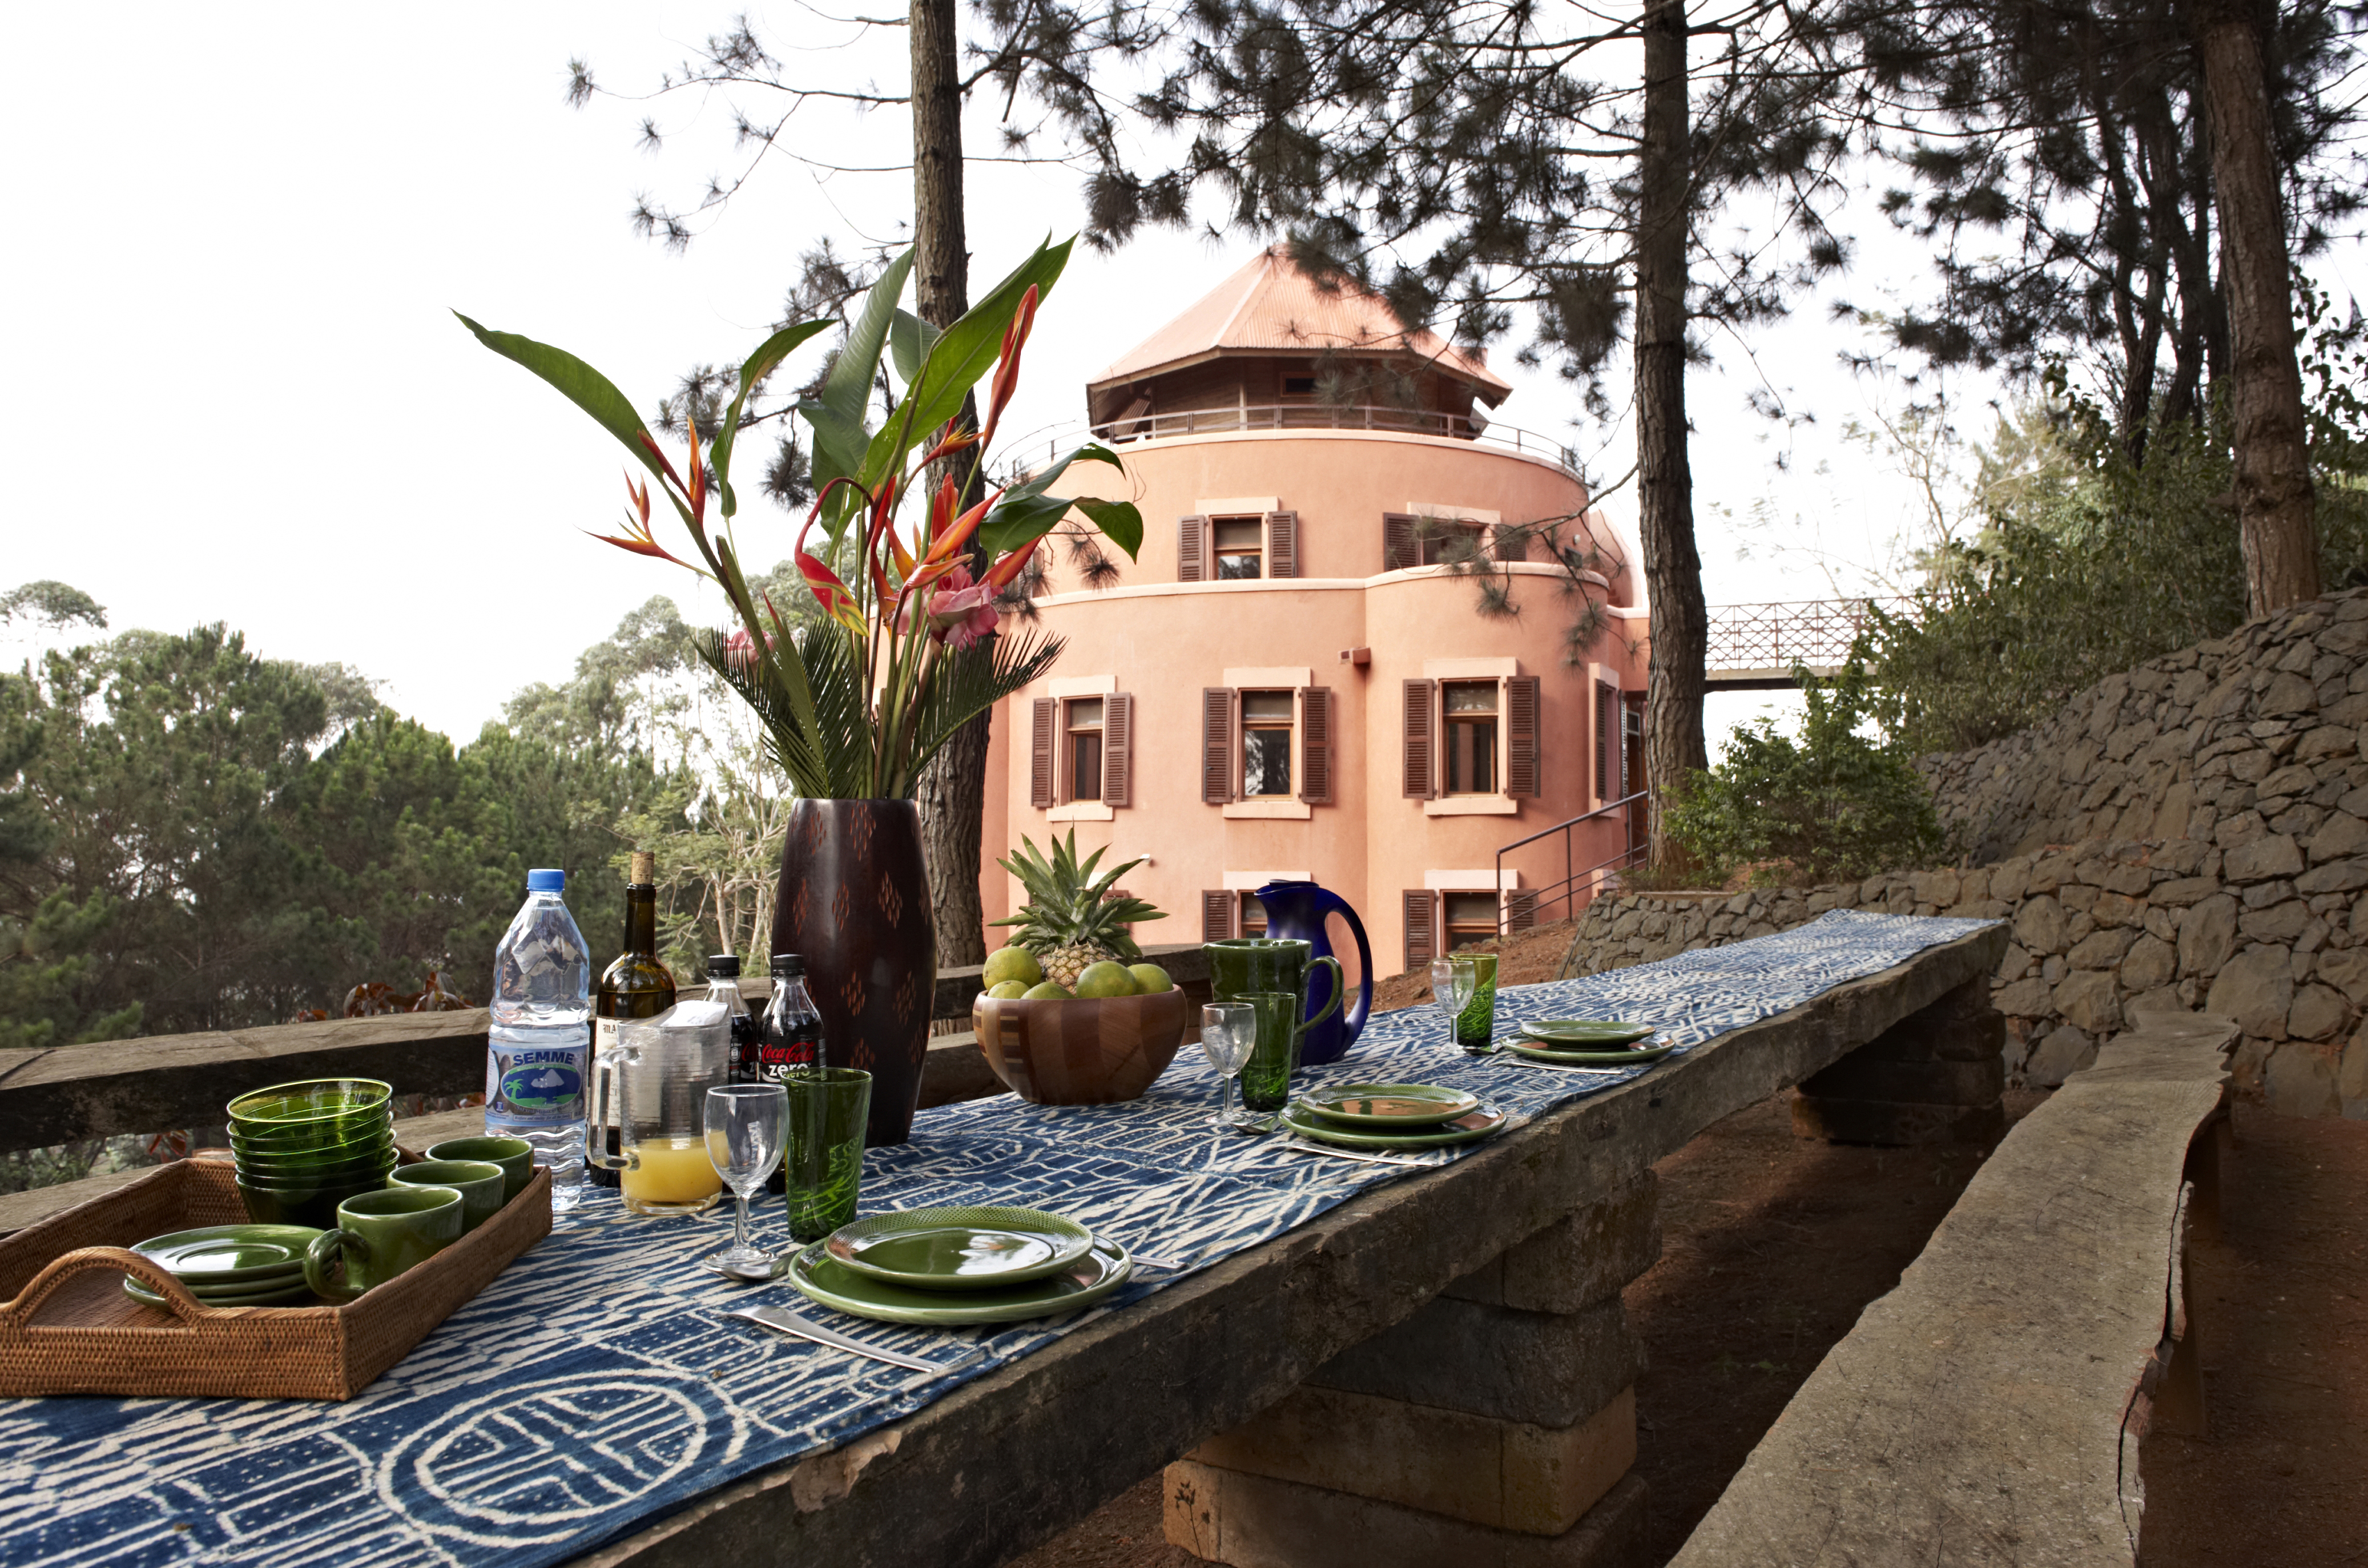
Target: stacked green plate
1587,1043
952,1266
304,1148
1392,1116
229,1266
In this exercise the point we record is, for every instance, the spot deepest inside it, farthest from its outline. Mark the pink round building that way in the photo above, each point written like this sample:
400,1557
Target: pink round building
1295,680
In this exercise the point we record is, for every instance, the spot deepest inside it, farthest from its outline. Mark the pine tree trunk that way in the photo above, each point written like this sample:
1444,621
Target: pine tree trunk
952,791
1673,703
2275,507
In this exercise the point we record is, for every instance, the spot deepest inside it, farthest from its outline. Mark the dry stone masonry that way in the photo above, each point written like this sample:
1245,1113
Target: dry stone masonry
2192,834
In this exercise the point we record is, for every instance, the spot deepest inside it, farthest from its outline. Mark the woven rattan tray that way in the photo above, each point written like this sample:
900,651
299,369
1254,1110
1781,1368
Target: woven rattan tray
66,1326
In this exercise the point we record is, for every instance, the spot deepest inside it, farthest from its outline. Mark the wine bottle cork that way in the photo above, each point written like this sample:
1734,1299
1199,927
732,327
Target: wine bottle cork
646,869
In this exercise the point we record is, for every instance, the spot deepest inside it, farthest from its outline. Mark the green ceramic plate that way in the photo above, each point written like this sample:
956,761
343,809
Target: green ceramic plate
981,1248
230,1255
1593,1033
1104,1267
1388,1104
279,1296
1467,1129
1562,1058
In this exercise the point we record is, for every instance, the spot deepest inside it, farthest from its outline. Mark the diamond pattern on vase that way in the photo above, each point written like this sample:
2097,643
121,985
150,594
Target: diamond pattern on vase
892,902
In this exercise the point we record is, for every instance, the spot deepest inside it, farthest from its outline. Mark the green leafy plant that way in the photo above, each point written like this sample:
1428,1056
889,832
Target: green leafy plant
1835,803
854,708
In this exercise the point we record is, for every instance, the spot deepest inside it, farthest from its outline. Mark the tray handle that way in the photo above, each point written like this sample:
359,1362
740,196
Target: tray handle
19,1313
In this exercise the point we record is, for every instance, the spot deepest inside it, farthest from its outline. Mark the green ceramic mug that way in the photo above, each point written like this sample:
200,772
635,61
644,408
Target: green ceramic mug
479,1182
515,1156
1241,967
381,1234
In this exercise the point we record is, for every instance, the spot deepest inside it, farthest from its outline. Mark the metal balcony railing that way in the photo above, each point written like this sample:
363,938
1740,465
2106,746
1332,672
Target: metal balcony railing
1256,417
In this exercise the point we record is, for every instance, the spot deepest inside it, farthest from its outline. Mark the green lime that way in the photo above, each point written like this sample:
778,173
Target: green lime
1106,979
1012,963
1006,989
1150,979
1048,992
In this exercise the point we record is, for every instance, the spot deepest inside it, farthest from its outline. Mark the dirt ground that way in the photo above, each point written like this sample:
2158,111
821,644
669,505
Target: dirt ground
1525,958
1772,1248
2283,1476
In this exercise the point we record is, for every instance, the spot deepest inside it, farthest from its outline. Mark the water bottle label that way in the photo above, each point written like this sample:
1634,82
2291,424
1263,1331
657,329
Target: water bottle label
535,1084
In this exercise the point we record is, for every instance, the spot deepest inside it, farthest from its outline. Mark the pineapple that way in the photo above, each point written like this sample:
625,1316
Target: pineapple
1071,918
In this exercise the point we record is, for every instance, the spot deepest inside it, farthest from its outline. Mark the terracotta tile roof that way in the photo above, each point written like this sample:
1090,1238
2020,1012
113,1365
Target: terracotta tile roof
1269,306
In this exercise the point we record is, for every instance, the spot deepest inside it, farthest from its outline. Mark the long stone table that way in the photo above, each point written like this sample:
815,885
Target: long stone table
966,1473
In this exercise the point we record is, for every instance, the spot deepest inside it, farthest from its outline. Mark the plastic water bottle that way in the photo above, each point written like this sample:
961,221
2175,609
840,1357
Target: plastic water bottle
541,1041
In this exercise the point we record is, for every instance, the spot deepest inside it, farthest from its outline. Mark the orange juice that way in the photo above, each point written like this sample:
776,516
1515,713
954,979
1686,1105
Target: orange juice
671,1171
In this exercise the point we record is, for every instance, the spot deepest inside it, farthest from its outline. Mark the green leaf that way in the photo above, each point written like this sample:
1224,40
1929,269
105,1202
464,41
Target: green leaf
909,341
962,352
582,385
753,369
1120,522
845,390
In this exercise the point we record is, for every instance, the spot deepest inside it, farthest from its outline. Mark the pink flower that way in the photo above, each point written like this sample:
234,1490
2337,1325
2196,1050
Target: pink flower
961,611
740,649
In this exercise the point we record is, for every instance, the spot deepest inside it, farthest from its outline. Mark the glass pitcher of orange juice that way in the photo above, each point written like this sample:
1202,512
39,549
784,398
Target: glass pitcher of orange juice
656,1079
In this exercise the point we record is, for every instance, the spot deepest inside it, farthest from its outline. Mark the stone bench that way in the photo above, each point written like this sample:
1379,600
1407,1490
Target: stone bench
1989,1410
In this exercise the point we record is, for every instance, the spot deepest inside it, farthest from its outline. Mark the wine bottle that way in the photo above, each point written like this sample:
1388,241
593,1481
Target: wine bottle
635,986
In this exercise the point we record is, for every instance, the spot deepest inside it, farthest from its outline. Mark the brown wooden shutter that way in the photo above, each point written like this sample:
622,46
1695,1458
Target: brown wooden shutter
1419,946
1521,735
1117,749
1607,725
1192,550
1315,744
1282,544
1217,744
1040,769
1216,915
1512,544
1421,704
1400,549
1520,911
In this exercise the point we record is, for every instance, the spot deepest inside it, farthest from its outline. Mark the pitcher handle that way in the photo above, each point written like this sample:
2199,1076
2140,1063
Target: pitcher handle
610,1069
1339,985
1355,1021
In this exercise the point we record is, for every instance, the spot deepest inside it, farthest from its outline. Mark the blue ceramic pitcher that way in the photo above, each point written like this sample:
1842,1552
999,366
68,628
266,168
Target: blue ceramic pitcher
1296,910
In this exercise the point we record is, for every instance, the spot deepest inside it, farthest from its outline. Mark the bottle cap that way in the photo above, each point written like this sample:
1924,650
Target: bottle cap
545,879
646,869
788,966
723,966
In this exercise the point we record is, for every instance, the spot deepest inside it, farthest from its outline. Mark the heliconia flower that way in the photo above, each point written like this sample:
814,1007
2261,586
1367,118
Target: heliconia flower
697,469
951,442
962,611
1006,372
1003,573
652,447
944,546
740,649
637,537
836,598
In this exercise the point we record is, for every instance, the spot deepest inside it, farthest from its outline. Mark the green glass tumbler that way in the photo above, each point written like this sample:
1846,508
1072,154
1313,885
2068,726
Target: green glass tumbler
1266,1077
822,1156
1476,1027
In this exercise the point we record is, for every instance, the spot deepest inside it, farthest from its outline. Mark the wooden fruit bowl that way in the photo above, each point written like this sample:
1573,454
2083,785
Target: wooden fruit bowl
1091,1050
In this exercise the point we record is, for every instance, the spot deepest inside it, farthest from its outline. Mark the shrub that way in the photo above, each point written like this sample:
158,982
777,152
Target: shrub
1836,804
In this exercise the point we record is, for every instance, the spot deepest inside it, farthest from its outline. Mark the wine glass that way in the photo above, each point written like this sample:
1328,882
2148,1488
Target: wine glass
1228,1031
745,1125
1453,982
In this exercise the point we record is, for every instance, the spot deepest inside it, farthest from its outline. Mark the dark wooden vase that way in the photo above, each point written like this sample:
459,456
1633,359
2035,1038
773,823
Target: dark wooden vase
854,901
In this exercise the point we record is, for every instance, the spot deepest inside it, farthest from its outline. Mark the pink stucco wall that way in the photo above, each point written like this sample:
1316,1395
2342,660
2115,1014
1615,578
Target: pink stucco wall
1163,641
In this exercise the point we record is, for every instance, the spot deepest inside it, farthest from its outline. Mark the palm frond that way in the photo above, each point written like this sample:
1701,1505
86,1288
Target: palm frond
968,683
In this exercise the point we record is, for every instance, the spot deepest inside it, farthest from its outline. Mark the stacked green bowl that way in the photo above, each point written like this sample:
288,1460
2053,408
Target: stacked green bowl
302,1149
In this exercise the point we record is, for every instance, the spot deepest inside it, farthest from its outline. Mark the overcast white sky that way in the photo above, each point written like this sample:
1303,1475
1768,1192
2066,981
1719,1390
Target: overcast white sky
237,392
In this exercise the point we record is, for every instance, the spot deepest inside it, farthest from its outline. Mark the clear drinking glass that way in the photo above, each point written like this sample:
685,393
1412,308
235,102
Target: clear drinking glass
1452,981
1228,1030
745,1125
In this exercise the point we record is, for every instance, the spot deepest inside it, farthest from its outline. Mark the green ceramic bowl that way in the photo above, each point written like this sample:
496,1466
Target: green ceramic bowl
316,1206
515,1156
317,1137
312,1101
303,1175
479,1182
373,1147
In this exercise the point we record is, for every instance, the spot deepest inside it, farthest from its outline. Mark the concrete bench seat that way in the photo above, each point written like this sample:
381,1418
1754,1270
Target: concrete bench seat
1989,1410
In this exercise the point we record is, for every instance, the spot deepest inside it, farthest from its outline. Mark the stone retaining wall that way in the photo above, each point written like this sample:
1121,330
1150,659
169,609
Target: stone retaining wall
2271,932
2192,833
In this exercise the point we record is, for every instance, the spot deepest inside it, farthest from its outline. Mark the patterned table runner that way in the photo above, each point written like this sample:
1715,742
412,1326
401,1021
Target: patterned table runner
592,1387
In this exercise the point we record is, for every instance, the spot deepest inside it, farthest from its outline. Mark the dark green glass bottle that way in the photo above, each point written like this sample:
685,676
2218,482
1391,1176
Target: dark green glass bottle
636,987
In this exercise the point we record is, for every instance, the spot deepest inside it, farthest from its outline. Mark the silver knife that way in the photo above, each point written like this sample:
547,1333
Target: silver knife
788,1323
1307,1146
